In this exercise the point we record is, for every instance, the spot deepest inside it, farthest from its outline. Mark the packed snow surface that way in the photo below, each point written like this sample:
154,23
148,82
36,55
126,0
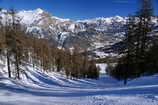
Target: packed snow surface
37,88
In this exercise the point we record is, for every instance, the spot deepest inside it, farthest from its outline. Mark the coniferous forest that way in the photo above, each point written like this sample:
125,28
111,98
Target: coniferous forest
139,56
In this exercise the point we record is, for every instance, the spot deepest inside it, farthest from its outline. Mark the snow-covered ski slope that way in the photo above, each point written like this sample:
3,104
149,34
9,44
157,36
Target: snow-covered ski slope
37,88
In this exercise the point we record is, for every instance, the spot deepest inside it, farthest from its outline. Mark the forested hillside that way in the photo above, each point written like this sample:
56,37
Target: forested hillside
20,49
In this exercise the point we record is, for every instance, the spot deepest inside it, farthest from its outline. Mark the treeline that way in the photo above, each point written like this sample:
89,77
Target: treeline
21,48
140,56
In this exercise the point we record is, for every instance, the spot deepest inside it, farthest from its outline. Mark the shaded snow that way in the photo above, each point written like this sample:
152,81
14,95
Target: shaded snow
37,88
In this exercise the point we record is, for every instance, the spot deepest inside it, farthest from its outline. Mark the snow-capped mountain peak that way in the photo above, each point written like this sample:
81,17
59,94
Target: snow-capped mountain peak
30,17
103,19
61,19
39,10
69,32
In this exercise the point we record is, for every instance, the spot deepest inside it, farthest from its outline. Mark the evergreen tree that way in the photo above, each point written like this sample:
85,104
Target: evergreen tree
132,63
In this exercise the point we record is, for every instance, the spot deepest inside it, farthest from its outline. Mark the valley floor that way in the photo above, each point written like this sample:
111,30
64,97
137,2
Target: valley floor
37,88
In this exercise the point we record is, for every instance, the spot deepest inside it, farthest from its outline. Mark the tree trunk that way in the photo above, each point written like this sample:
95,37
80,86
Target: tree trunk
125,81
8,65
17,66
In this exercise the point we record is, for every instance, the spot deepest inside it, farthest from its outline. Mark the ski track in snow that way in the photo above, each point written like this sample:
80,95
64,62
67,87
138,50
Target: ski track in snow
37,88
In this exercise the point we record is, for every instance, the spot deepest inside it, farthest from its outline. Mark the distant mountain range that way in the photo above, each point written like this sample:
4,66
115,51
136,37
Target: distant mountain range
87,34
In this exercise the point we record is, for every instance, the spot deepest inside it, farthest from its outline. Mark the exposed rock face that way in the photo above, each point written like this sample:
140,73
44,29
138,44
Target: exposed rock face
87,34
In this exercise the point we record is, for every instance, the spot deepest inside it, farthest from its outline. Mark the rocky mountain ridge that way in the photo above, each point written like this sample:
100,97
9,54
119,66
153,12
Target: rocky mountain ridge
87,34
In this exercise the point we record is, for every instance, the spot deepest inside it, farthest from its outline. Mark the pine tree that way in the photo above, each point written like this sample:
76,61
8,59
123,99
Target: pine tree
132,63
145,15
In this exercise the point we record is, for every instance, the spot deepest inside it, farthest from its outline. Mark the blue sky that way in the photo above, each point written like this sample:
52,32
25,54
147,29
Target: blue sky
78,9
